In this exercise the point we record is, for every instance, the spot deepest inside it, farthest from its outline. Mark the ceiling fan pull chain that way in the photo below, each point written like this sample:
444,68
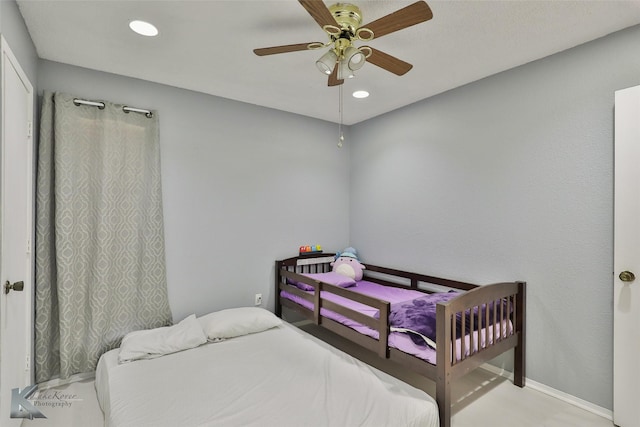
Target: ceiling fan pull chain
340,108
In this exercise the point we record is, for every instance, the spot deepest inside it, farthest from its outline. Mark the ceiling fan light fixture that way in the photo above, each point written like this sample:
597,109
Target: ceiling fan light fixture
327,61
354,58
345,71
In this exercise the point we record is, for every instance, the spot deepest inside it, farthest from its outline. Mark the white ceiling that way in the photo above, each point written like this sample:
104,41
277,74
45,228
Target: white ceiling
207,45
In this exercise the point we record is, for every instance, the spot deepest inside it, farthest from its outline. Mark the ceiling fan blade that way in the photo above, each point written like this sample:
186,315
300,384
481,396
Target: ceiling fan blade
411,15
333,77
320,12
281,49
388,62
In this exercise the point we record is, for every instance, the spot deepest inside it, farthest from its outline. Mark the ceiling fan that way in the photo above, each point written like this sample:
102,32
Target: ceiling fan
342,23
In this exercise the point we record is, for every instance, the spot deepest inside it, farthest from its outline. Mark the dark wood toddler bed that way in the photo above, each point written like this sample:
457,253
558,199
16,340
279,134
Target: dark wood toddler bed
456,353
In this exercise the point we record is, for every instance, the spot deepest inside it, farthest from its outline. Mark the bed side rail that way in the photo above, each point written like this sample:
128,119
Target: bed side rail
381,324
413,279
321,263
293,270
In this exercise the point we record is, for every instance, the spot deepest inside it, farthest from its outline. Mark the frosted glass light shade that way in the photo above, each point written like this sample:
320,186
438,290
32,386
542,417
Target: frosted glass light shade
327,62
354,58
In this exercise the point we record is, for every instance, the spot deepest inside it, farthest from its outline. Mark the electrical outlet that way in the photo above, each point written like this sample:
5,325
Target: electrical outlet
258,300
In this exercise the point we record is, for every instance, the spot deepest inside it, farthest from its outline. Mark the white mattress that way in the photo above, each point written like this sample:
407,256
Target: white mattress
280,377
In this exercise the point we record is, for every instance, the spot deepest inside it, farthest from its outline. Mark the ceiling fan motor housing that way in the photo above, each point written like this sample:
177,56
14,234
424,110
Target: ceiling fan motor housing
348,16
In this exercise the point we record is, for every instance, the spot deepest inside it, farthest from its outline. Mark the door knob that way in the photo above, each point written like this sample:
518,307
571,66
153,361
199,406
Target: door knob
627,276
18,286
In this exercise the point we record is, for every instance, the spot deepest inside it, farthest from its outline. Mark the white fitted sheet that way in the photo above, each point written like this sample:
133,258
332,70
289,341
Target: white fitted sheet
280,377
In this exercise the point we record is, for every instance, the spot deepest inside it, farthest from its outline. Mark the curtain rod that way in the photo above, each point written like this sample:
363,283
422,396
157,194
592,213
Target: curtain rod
100,105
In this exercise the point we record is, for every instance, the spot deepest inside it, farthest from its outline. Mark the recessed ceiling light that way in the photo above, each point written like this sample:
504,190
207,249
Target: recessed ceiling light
360,94
143,28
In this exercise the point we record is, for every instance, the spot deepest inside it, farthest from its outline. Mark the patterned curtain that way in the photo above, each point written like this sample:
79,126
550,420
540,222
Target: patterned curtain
100,266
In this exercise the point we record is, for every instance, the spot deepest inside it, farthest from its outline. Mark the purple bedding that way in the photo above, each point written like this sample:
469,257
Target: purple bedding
404,314
330,277
418,317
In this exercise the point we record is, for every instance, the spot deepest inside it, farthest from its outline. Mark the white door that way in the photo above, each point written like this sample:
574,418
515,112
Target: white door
626,263
16,231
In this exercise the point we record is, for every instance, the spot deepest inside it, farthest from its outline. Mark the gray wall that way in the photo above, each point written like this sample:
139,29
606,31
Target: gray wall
241,186
510,178
14,30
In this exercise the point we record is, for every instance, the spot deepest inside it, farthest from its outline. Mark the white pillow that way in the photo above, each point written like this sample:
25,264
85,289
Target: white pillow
234,322
152,343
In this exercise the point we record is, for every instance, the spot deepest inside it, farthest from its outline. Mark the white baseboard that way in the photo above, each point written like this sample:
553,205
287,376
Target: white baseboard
565,397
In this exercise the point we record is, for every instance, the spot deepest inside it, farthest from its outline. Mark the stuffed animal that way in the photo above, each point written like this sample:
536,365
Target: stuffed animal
347,264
